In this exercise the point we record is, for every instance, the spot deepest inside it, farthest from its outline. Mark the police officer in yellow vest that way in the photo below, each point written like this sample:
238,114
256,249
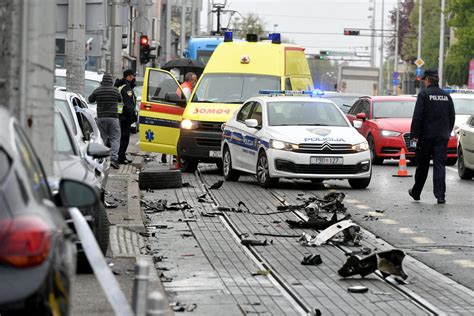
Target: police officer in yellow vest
126,110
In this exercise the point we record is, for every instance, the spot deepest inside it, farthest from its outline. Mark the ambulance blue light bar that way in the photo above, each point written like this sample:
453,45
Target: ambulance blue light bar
228,36
312,93
451,90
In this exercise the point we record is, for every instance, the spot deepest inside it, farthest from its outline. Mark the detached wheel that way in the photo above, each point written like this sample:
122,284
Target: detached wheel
463,172
188,164
451,161
375,159
154,179
229,173
263,172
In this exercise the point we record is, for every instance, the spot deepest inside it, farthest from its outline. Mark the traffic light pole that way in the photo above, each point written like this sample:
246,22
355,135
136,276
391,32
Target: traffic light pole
420,32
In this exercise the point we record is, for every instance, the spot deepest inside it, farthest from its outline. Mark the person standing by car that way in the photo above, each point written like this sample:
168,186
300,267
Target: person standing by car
433,121
190,80
126,111
108,98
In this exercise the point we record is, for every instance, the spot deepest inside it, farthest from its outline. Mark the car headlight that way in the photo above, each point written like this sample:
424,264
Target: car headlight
386,133
277,144
453,132
188,124
360,147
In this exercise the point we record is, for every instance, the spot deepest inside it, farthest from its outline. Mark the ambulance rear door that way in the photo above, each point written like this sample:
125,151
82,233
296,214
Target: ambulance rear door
161,111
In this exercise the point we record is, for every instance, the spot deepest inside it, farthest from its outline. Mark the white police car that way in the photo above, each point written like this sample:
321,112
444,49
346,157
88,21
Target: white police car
281,136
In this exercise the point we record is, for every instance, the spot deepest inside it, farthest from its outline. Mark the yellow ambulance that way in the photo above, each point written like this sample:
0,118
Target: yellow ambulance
236,71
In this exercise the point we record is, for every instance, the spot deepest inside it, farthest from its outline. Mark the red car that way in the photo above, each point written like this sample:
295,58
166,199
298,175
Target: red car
385,122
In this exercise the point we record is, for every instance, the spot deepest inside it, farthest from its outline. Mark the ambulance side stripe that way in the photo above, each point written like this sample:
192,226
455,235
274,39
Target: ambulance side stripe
159,122
159,108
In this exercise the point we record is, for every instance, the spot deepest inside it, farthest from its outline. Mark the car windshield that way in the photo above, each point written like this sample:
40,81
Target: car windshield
236,88
64,108
304,113
344,103
89,87
463,106
62,141
393,109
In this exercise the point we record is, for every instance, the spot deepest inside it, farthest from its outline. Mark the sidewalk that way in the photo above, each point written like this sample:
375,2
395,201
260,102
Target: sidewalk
126,242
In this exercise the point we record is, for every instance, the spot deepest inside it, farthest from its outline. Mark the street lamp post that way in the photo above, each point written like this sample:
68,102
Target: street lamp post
381,54
420,32
441,43
395,60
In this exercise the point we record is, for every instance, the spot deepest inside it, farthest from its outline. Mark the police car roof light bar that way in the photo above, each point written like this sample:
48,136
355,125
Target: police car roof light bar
450,90
311,93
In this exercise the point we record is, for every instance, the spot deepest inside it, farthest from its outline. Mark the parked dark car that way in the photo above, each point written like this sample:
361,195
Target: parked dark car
70,164
37,252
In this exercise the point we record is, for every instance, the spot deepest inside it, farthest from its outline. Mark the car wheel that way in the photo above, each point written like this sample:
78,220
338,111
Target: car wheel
263,172
188,164
229,173
375,160
463,172
359,183
451,161
220,165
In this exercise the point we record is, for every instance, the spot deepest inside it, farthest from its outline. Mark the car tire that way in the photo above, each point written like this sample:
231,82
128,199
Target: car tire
451,161
360,183
263,172
188,164
155,179
464,172
229,173
375,160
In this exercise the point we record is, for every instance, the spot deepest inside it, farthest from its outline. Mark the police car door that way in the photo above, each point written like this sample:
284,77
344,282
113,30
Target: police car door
161,111
251,138
238,136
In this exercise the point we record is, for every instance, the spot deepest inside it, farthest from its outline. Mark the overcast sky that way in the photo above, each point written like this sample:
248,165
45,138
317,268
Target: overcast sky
315,24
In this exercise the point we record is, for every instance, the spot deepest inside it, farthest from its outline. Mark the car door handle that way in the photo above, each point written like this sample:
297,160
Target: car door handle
147,107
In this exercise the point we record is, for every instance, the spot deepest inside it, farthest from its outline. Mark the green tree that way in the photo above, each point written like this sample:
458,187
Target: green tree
250,24
462,51
404,29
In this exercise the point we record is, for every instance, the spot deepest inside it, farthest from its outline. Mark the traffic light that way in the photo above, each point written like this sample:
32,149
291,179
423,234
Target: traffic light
352,32
324,53
319,56
144,50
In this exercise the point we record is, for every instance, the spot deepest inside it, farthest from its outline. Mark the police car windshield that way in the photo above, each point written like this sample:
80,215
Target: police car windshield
233,88
393,109
463,106
285,113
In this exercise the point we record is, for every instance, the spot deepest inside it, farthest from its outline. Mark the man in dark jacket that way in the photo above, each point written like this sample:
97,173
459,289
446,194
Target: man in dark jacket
431,127
126,111
107,98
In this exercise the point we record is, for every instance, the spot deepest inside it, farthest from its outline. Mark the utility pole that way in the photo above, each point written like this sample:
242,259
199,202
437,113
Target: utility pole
193,18
380,83
395,60
218,10
27,49
372,37
441,43
183,28
168,31
420,31
116,43
75,46
210,17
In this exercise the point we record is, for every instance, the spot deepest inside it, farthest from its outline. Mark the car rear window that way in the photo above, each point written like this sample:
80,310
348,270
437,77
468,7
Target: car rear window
304,113
5,164
393,109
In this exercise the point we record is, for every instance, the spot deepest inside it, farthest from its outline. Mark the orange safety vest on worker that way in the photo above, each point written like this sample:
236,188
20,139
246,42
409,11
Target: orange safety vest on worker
187,89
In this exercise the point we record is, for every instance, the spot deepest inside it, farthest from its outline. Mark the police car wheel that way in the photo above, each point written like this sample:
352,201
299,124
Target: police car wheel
359,183
229,173
463,172
263,172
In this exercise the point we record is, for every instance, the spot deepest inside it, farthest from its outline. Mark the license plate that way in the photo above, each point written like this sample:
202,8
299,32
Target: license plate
326,160
215,154
412,143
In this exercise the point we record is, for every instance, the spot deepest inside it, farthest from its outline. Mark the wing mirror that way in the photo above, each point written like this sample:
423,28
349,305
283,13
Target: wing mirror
361,116
98,151
74,193
357,124
252,123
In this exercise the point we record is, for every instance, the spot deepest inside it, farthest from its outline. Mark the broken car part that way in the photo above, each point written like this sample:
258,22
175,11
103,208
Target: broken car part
358,289
312,260
217,185
332,231
255,242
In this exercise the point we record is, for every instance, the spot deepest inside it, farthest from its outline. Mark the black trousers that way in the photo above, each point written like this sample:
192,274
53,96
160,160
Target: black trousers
431,147
124,140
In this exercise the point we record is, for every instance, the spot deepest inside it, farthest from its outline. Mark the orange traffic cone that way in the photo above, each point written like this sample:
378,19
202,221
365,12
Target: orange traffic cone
402,166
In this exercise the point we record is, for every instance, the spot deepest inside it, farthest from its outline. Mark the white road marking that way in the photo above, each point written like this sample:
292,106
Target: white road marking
465,263
441,251
375,214
388,221
363,207
422,240
351,201
405,230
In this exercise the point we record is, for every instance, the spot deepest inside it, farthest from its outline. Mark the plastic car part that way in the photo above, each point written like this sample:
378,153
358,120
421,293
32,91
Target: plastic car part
255,242
216,185
387,262
320,223
330,232
358,289
312,260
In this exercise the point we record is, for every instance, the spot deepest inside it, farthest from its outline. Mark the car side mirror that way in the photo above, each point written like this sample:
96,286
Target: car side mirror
175,98
98,151
361,116
74,193
357,124
251,123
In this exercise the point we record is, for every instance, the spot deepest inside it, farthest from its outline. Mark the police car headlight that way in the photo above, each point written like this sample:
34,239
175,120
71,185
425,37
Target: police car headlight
188,124
277,144
360,147
386,133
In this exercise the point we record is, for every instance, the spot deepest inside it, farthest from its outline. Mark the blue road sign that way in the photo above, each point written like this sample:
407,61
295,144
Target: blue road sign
419,71
396,82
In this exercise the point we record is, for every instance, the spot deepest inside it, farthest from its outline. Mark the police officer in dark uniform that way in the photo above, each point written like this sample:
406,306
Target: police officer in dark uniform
127,114
433,121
